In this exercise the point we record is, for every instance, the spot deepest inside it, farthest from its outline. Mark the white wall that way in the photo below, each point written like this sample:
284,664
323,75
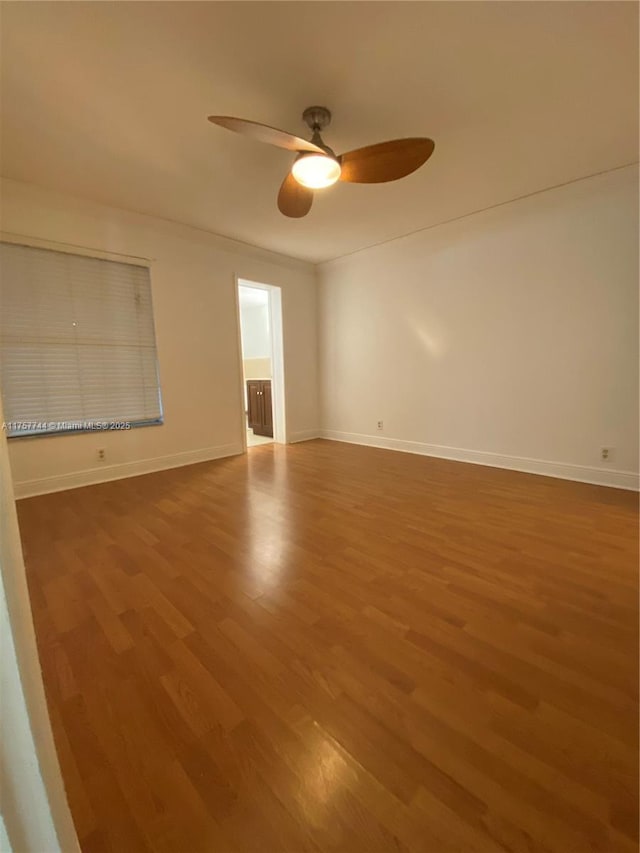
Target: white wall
194,298
254,322
256,337
508,337
257,368
35,814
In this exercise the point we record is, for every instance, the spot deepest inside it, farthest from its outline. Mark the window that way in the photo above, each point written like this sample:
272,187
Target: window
77,343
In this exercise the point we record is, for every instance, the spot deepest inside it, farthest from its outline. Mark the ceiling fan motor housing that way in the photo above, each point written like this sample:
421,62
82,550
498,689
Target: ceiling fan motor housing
317,118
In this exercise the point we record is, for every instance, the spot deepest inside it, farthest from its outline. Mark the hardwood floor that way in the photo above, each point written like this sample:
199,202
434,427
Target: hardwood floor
328,647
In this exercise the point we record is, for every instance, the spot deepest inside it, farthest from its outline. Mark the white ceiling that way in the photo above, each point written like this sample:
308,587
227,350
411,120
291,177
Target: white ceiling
109,101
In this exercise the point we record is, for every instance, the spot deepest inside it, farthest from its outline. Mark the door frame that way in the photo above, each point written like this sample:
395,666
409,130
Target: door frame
277,358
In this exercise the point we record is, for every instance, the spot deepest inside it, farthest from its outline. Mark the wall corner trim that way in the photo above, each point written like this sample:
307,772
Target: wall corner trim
93,476
561,470
303,435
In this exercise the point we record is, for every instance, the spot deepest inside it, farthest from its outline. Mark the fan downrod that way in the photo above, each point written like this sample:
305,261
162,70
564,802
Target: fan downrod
317,118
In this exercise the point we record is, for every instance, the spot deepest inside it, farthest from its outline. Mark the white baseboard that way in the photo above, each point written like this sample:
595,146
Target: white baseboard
303,435
562,470
91,476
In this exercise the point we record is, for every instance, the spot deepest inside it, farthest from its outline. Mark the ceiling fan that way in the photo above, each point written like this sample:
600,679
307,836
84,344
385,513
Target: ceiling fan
316,166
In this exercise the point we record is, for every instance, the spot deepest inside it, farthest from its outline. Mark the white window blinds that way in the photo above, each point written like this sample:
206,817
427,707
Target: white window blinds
77,343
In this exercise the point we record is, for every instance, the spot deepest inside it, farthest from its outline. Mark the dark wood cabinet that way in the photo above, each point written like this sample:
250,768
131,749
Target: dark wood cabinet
259,406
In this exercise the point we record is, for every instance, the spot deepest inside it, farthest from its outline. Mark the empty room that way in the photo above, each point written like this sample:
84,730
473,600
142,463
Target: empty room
319,377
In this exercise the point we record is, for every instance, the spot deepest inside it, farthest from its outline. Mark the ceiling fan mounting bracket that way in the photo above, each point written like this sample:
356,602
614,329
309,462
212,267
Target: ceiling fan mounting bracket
317,118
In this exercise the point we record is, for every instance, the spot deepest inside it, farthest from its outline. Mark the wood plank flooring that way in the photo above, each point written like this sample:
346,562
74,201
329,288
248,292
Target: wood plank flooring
326,647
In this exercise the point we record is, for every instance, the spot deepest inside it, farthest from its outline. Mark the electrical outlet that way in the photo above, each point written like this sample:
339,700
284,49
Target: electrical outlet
380,424
606,454
101,453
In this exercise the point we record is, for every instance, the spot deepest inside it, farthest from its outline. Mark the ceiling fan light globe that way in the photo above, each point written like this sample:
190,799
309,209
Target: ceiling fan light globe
316,171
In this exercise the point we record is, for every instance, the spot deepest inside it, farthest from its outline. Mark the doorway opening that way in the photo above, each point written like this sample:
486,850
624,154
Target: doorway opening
260,319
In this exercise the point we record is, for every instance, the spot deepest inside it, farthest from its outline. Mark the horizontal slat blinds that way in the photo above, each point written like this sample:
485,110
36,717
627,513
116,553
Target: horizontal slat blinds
77,343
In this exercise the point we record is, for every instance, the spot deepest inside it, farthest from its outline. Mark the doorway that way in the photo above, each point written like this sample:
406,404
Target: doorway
260,320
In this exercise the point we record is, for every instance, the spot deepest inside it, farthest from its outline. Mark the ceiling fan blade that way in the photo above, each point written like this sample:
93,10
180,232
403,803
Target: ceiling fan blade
264,133
386,161
293,199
